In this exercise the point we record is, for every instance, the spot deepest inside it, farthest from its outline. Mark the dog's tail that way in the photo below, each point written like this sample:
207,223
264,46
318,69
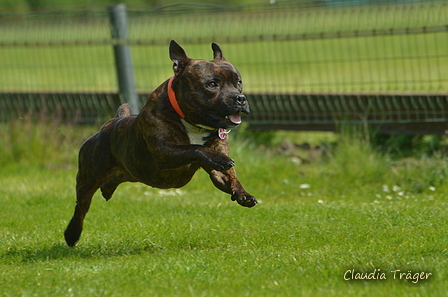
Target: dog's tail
123,111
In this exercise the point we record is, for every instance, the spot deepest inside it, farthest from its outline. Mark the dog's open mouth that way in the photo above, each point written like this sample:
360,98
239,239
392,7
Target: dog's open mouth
235,118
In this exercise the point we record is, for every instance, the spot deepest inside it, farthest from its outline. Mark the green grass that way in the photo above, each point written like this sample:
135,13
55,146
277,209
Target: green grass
362,210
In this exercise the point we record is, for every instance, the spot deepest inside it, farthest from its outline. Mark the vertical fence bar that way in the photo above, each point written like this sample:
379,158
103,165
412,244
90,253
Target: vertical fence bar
122,52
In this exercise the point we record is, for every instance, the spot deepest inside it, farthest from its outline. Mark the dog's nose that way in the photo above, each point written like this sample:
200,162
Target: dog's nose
241,100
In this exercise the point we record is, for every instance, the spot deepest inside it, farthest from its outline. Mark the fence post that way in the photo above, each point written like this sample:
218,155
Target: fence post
122,52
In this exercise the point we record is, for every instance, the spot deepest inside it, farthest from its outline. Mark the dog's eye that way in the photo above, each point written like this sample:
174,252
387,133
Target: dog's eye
212,85
240,83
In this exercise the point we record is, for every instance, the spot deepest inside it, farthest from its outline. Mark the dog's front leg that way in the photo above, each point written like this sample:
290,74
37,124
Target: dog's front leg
227,182
170,157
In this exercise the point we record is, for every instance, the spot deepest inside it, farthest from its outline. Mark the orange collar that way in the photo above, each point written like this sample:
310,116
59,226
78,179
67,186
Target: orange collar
172,97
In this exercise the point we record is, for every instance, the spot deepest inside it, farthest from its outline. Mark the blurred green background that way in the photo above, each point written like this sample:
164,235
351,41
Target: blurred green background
43,5
292,47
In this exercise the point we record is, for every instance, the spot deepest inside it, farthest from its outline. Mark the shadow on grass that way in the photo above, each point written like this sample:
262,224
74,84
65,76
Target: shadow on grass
61,251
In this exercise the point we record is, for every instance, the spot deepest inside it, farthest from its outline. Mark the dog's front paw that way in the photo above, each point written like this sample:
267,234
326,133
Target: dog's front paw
221,163
244,199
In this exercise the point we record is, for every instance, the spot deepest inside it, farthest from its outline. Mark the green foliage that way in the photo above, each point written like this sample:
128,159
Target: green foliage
255,137
352,158
401,145
356,159
419,175
26,141
355,162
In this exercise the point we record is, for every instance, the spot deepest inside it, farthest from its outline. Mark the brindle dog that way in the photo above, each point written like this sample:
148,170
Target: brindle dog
181,128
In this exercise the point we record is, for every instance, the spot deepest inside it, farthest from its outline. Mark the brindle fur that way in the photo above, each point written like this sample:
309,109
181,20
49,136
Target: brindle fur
153,147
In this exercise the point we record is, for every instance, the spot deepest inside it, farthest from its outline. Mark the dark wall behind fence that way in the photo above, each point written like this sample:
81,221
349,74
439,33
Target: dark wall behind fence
304,67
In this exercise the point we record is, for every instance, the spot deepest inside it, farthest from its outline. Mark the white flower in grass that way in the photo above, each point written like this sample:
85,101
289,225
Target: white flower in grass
396,188
431,188
296,160
305,186
385,188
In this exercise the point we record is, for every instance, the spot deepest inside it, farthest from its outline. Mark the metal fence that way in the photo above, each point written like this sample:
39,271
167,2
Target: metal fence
303,67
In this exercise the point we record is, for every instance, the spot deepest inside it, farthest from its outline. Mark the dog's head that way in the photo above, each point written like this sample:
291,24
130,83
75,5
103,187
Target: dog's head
209,93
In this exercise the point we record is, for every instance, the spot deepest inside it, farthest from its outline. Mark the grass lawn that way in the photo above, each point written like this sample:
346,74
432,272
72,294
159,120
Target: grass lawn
316,221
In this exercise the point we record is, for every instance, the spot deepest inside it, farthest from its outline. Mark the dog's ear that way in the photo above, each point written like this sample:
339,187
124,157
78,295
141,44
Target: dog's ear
217,52
178,56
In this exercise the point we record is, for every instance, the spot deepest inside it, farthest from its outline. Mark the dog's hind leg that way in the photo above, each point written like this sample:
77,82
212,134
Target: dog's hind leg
108,189
84,192
96,166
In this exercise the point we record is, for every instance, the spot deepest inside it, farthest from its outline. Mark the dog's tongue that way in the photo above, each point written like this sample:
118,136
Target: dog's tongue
235,118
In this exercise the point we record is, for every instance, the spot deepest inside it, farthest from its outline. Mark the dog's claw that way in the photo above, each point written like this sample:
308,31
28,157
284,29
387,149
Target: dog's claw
231,163
245,200
226,165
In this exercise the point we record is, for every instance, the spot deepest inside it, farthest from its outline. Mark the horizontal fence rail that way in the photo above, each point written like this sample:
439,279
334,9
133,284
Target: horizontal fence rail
232,39
304,66
389,113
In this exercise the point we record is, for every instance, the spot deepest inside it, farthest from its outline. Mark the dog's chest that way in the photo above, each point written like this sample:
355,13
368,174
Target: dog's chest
196,135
